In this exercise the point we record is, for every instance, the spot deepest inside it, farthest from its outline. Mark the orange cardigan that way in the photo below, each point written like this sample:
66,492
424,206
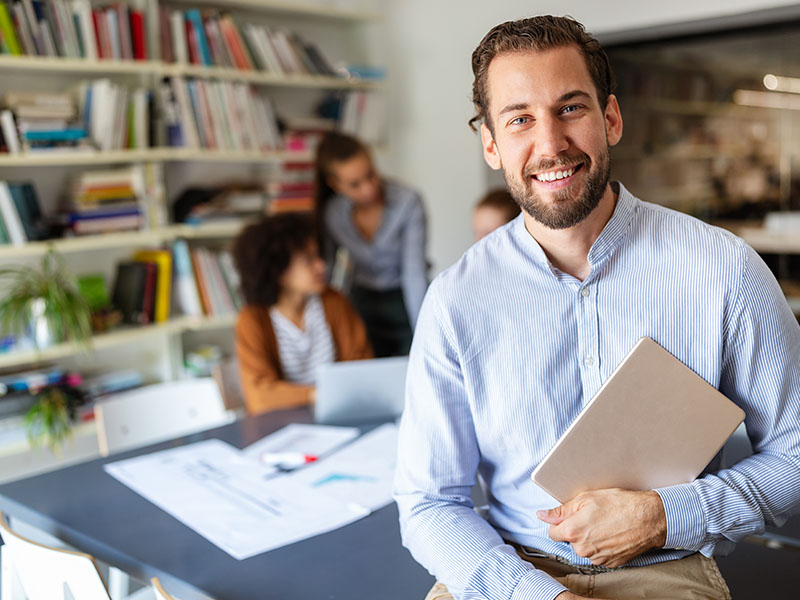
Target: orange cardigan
263,382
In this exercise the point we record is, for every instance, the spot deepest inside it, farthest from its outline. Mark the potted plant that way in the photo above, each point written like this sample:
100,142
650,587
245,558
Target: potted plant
44,304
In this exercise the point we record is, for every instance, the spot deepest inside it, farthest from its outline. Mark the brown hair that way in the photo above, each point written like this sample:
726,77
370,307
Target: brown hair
537,33
500,199
334,147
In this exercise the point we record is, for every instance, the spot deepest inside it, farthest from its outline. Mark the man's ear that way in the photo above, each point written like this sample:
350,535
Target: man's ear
490,153
613,119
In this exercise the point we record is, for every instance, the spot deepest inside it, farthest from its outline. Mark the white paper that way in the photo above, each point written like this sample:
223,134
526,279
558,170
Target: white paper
360,475
225,496
316,440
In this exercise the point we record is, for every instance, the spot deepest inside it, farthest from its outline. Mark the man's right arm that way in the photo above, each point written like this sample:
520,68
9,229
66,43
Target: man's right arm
437,465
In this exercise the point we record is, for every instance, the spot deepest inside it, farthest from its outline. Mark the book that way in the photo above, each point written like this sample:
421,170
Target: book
162,259
129,289
10,216
187,298
10,134
178,31
23,29
30,214
7,30
138,37
86,28
196,20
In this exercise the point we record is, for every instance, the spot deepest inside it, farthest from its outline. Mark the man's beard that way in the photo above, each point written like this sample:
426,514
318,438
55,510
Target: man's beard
564,211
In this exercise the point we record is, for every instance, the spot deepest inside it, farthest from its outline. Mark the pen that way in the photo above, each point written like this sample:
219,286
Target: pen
287,460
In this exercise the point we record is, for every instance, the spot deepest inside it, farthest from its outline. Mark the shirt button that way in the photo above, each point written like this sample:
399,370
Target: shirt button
585,292
588,361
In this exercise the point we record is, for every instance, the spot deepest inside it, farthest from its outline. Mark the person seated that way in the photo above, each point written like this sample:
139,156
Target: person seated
495,209
292,322
381,225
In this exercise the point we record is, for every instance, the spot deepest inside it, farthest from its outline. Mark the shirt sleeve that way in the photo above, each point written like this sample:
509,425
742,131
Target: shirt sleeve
760,373
414,266
437,463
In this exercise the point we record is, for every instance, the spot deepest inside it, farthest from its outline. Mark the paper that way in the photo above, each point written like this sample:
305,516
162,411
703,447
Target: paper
360,475
225,496
316,440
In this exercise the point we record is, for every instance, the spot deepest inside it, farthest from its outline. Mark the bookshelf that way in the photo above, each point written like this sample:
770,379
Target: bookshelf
158,349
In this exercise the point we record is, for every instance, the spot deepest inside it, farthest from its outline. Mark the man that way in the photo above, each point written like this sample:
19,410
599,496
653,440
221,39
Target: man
516,337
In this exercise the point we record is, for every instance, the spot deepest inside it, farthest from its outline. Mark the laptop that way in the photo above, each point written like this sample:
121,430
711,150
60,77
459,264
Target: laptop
653,423
360,391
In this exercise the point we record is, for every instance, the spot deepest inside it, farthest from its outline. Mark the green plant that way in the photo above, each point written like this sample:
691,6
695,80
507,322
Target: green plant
47,293
48,421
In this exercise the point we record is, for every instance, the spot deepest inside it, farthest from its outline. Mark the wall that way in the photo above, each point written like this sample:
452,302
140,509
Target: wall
431,43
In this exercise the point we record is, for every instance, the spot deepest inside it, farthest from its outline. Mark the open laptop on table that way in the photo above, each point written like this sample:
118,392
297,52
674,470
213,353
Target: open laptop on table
361,391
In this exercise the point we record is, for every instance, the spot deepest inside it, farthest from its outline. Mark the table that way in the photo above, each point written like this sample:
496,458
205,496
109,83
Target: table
89,509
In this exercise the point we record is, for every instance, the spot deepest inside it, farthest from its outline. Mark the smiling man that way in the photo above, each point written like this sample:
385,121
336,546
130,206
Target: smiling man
516,337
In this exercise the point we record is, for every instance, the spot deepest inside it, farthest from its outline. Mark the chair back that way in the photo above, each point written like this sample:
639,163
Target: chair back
158,412
47,573
159,591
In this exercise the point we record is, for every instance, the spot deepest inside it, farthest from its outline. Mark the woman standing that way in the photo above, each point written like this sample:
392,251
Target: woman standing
293,322
381,226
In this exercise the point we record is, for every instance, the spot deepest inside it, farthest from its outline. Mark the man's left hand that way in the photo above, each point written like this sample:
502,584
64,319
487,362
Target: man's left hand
609,527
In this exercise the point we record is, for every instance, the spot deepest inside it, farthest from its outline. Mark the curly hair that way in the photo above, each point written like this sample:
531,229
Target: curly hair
263,250
537,33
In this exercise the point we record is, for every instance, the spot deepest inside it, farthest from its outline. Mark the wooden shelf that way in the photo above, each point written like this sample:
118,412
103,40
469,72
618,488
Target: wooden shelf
128,335
123,239
80,65
286,7
67,158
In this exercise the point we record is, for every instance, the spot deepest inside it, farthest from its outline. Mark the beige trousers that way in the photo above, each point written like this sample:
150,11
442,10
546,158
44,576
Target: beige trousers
692,578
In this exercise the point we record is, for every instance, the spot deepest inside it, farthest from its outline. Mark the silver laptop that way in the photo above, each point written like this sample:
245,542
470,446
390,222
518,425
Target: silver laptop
653,423
360,391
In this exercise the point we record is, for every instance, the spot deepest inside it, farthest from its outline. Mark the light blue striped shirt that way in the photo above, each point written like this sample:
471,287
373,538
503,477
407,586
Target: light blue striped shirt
508,350
395,257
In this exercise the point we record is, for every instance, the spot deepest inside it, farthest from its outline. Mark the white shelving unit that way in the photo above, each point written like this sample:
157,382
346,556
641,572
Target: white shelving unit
157,348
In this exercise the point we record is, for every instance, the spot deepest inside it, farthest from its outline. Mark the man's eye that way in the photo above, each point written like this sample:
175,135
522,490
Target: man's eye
570,108
519,121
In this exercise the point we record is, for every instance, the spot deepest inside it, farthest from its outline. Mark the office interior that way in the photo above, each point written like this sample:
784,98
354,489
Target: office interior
710,98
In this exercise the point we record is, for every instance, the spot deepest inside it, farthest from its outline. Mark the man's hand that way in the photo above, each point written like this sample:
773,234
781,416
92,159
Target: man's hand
569,596
609,527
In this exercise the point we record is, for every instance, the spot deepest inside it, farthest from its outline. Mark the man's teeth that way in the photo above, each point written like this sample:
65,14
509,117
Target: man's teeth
554,175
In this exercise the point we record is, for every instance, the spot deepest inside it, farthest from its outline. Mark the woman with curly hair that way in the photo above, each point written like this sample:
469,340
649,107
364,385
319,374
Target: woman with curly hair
381,225
292,322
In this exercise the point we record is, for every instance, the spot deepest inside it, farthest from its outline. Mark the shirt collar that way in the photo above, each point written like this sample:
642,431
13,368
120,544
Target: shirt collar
608,240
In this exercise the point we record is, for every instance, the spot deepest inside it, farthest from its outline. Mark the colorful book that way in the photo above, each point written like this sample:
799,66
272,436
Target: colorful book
187,298
10,216
163,261
7,29
196,19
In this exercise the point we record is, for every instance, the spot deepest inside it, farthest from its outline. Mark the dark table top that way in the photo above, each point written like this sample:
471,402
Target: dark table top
89,509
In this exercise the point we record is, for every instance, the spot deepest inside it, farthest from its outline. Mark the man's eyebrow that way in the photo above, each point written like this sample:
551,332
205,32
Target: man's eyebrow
563,98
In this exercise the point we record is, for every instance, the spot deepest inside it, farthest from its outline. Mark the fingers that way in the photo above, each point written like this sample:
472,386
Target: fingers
554,516
557,534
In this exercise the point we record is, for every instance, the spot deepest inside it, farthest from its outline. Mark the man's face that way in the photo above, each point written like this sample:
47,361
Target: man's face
551,137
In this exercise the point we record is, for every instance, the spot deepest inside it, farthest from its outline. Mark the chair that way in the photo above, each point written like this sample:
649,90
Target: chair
44,573
159,591
155,413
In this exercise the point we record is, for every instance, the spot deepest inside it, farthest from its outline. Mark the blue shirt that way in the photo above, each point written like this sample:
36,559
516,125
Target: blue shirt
395,257
508,350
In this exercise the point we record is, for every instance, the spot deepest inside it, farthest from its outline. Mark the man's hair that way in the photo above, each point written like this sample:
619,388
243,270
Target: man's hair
502,201
536,34
263,250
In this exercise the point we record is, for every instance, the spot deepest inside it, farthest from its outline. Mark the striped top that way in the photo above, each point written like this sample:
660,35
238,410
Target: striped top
395,257
302,351
509,349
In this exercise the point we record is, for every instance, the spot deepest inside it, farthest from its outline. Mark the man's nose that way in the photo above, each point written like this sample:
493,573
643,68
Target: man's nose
551,138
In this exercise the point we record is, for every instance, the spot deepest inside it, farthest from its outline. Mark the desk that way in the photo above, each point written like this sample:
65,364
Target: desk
92,511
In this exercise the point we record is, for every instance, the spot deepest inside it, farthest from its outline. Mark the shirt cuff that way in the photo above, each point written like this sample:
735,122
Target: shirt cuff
537,585
686,521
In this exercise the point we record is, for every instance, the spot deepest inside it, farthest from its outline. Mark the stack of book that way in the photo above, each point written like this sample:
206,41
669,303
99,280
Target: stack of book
363,114
106,201
218,115
231,206
72,29
143,287
210,38
20,215
116,117
41,121
291,188
206,282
